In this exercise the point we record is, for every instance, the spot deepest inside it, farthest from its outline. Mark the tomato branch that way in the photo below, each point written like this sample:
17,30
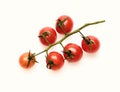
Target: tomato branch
69,34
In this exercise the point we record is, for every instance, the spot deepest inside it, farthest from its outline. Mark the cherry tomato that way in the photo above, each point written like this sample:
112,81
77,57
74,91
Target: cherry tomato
54,60
64,24
90,44
47,36
72,52
27,60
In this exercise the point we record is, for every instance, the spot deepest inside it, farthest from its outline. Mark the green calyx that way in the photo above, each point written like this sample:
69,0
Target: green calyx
61,25
50,64
30,58
43,36
69,54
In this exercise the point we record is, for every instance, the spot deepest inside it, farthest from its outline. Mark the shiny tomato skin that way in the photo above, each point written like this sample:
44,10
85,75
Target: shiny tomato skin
50,37
57,60
23,61
67,24
75,50
93,47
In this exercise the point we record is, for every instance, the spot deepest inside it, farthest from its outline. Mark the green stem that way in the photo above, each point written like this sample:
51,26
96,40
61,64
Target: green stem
62,45
69,34
40,52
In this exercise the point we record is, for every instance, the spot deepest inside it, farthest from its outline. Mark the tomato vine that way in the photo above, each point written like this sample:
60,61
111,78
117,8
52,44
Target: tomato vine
71,52
69,34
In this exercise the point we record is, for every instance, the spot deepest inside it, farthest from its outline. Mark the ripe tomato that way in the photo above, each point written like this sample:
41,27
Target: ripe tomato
72,52
90,44
47,35
27,60
54,60
64,24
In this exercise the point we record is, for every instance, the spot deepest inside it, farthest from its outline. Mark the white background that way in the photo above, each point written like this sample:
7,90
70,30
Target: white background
20,22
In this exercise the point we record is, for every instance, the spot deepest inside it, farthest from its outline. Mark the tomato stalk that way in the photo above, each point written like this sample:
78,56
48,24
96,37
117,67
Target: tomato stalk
88,41
69,34
62,45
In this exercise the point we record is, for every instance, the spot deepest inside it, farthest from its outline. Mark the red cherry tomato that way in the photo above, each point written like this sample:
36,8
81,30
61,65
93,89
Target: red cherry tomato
27,60
90,44
64,24
47,36
72,52
54,60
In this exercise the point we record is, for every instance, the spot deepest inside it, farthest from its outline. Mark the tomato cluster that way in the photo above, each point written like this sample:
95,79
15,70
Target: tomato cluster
71,52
